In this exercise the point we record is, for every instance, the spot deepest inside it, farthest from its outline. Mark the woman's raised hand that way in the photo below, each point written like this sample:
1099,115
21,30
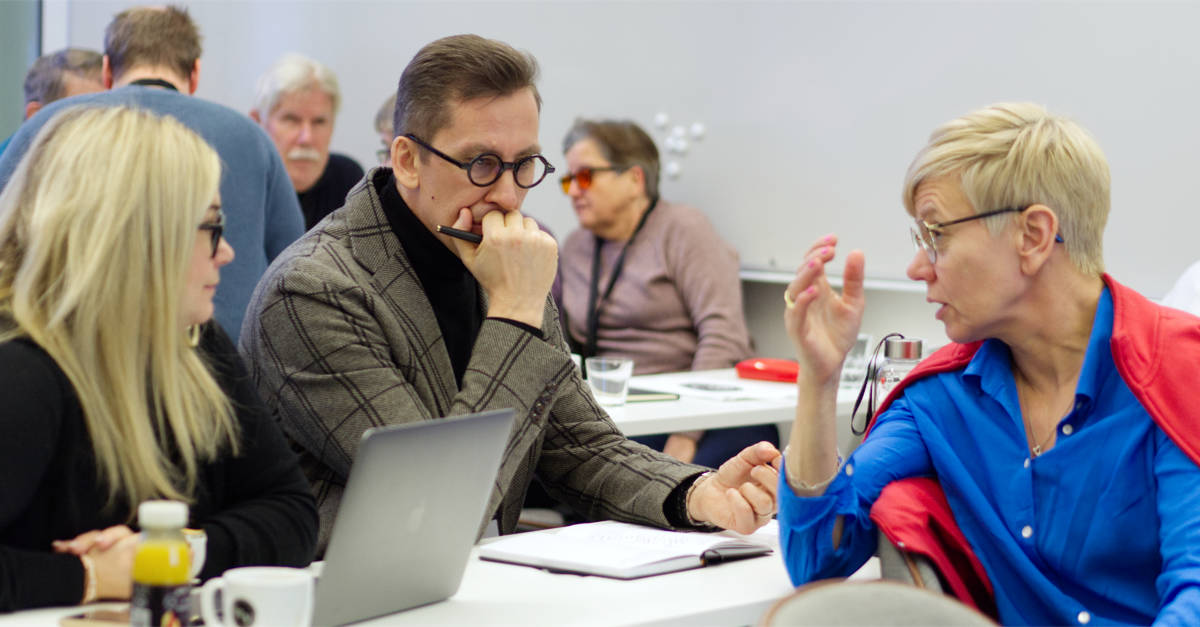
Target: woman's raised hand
821,323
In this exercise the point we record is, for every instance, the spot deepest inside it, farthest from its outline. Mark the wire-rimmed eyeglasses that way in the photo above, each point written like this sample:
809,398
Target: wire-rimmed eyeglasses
486,168
924,234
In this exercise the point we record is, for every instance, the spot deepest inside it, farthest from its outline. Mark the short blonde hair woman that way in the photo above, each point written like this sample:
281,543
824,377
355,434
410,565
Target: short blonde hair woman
1059,424
116,388
1041,158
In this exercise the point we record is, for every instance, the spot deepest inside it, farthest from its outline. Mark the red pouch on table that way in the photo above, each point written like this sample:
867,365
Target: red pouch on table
768,369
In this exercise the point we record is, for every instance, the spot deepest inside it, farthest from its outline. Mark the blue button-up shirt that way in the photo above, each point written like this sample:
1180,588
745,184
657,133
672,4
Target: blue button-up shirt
1103,528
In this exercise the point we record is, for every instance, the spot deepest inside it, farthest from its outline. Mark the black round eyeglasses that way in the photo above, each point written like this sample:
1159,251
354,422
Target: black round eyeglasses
487,168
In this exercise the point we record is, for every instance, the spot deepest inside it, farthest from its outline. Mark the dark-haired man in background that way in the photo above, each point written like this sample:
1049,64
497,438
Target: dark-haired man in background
152,60
57,75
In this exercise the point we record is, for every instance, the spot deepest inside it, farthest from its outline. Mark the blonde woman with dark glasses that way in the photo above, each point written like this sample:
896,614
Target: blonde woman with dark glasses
117,389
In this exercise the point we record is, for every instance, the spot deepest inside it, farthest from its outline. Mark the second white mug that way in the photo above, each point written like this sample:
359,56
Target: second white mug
259,595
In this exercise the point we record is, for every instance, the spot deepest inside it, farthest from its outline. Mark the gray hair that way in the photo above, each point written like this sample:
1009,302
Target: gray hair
623,143
44,82
292,73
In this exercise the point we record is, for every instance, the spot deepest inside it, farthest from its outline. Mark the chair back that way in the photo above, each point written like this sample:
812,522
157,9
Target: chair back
914,569
885,603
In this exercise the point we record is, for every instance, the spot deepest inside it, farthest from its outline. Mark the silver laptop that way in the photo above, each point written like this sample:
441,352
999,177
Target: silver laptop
407,521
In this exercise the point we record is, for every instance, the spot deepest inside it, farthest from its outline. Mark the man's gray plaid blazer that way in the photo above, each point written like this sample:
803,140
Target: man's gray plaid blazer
340,337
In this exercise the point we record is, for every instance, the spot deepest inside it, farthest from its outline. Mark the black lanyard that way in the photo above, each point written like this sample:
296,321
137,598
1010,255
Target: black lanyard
154,82
595,300
868,387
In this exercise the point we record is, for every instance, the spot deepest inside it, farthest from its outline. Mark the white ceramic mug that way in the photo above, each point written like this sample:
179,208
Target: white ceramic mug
259,595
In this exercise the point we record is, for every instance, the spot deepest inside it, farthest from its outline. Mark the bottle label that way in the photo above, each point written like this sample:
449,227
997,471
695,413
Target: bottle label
160,606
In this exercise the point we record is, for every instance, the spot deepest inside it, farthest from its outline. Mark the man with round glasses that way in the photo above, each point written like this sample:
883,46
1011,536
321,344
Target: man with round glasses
375,317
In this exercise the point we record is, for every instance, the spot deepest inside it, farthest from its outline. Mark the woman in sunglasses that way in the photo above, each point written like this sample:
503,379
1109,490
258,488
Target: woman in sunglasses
648,279
117,388
1060,424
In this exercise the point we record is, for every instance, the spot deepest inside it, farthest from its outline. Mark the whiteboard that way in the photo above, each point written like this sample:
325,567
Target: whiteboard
813,110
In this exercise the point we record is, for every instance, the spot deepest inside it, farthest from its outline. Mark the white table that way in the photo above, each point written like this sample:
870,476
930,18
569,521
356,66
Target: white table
696,412
736,593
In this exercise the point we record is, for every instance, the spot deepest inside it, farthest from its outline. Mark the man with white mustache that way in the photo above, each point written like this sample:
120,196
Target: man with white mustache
296,105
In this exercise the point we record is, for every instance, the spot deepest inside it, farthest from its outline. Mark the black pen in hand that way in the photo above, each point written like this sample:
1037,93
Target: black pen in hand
465,236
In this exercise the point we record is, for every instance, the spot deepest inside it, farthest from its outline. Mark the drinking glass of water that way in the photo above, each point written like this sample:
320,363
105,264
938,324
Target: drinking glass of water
609,378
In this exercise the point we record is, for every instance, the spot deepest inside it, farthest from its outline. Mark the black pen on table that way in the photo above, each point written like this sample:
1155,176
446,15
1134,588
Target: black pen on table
732,554
465,236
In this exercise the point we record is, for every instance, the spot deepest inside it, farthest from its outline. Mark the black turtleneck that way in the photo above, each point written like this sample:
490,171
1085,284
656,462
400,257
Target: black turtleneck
454,295
449,286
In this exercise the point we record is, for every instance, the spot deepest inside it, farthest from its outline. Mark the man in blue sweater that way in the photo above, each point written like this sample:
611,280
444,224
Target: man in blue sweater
152,61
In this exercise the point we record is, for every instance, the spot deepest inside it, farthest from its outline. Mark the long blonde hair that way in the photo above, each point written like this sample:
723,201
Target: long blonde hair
97,228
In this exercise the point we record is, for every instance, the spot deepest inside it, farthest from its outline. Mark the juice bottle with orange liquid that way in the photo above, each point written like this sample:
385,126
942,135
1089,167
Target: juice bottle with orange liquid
161,582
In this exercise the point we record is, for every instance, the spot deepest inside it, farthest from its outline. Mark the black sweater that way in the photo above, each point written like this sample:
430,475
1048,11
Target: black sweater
255,508
329,192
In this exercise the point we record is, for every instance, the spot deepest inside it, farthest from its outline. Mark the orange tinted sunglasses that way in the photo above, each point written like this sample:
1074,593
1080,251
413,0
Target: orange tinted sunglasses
583,177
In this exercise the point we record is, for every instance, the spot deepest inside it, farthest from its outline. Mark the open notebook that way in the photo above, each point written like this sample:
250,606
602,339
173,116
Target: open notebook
621,550
638,395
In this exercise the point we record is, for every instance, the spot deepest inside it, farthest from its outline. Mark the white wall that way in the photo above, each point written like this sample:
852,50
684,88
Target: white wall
888,311
813,109
18,50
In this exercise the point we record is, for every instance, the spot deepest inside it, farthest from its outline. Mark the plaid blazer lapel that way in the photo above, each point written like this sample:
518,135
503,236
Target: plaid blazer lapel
377,249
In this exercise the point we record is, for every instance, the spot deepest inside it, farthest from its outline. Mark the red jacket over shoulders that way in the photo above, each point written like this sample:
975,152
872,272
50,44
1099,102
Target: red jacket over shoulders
1155,349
